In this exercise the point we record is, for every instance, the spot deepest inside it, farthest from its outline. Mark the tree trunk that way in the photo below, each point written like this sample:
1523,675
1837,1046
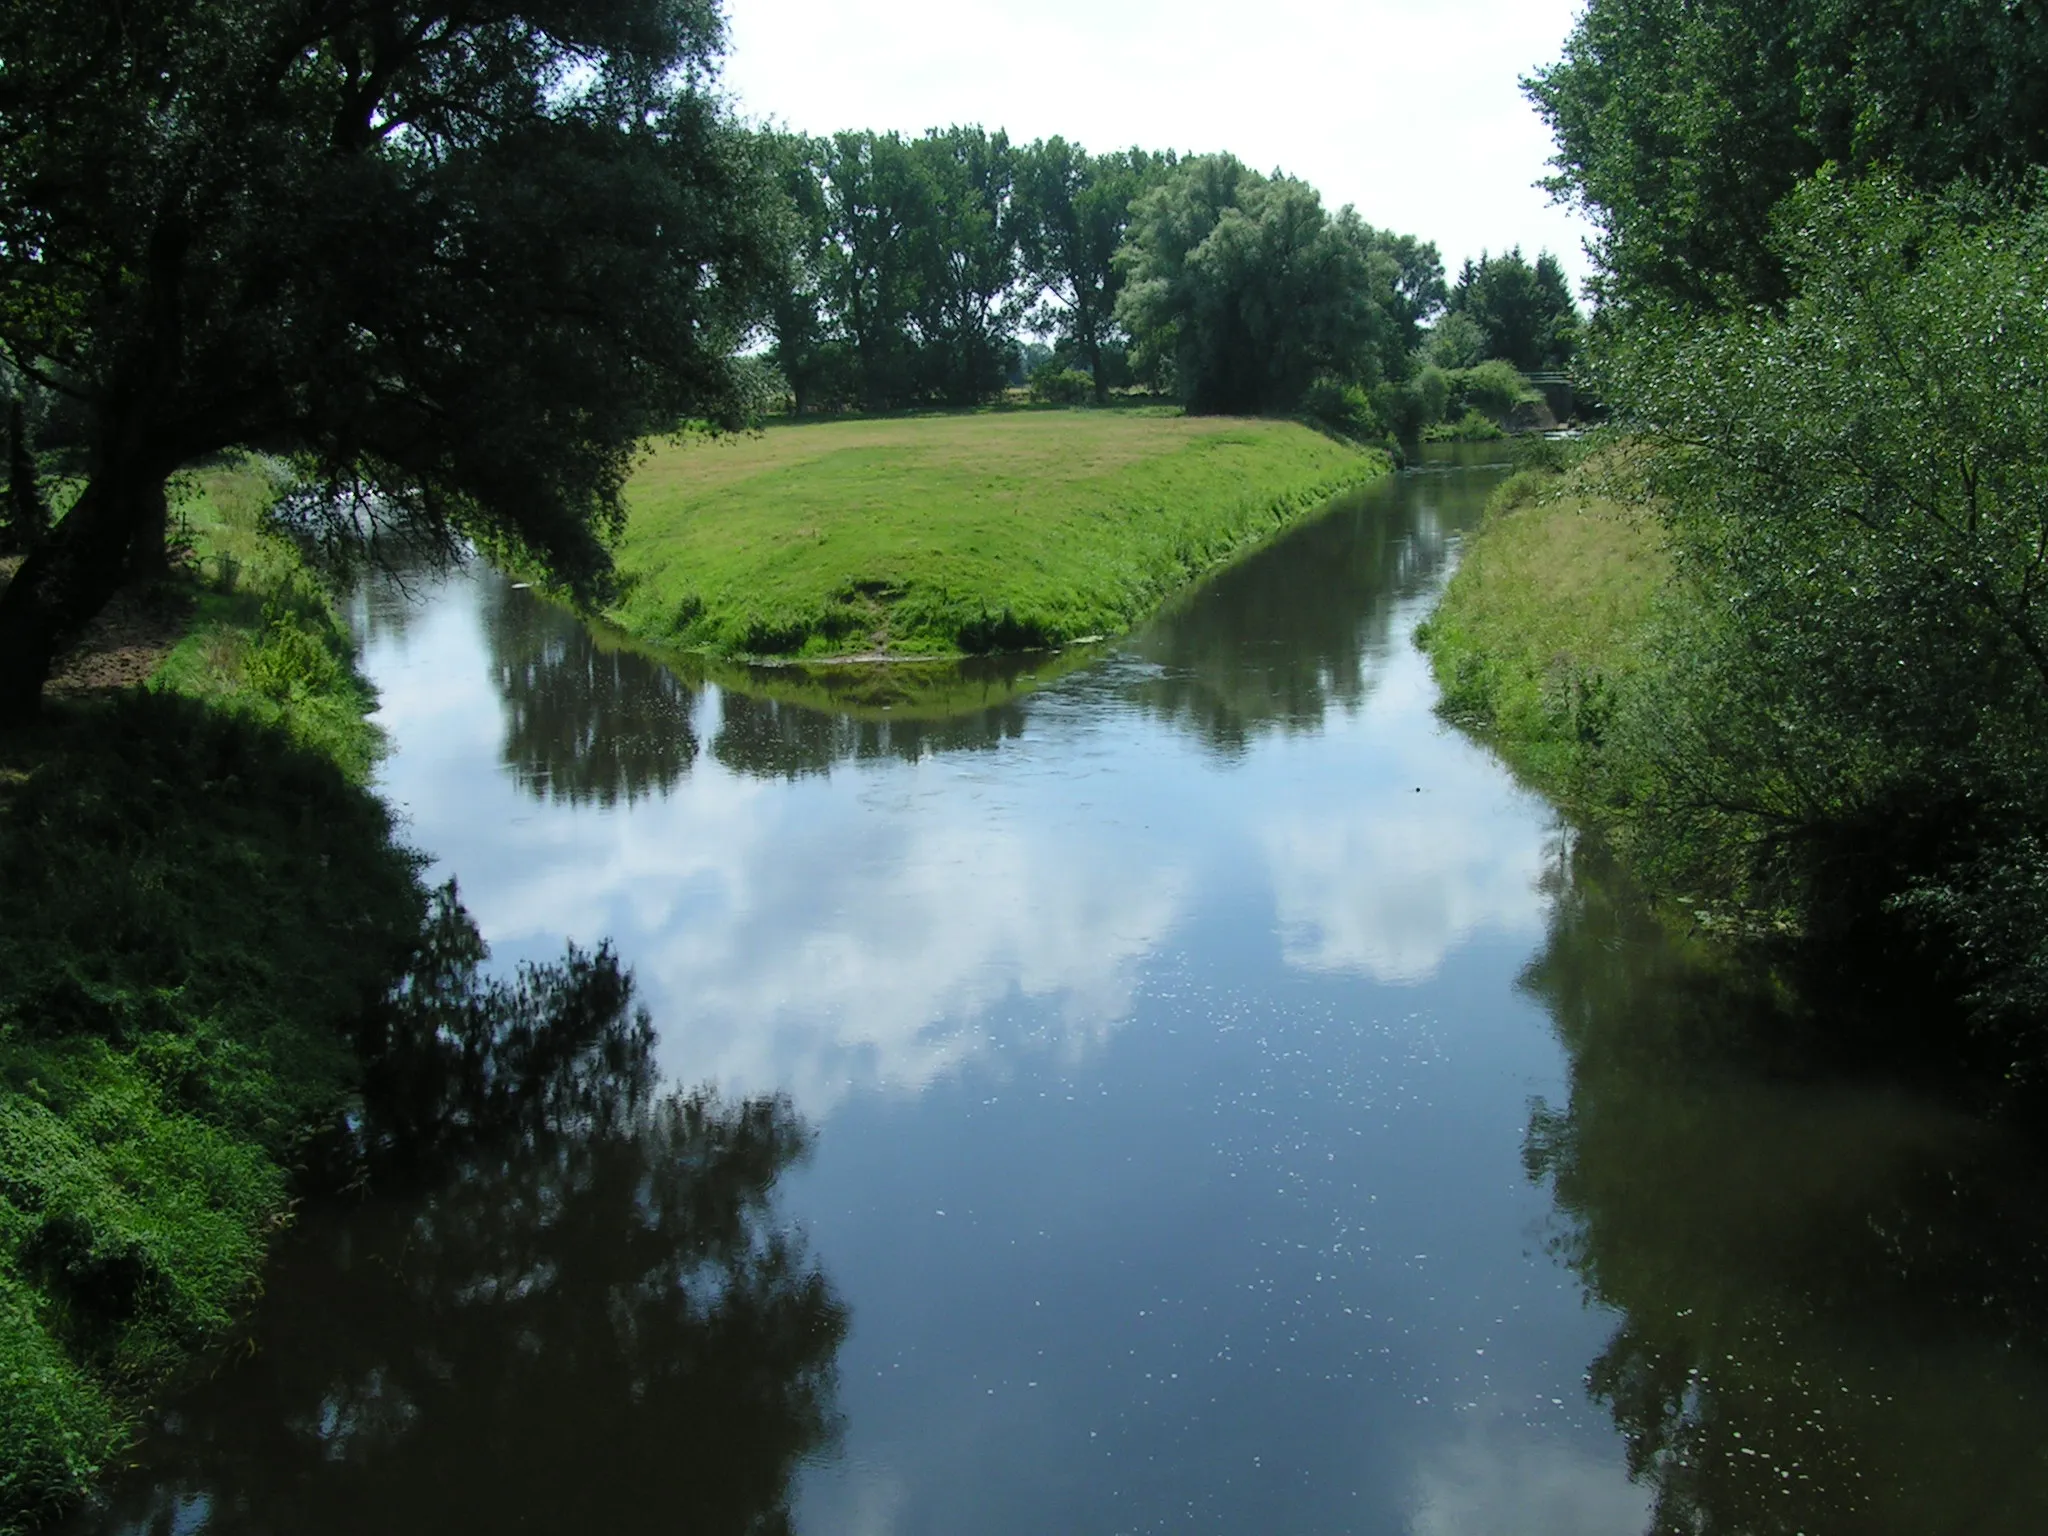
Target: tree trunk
1093,343
149,546
24,519
63,584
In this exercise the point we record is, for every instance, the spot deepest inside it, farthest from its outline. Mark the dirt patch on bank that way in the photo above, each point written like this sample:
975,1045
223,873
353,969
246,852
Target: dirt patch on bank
125,644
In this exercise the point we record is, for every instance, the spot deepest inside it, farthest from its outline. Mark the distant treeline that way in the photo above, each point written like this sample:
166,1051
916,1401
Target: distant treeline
920,270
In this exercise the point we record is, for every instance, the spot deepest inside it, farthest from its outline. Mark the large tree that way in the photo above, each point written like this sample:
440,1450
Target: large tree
1245,290
1523,311
457,256
1073,211
1680,124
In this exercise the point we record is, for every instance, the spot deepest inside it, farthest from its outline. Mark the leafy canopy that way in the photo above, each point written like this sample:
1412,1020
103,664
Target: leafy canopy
1681,124
459,258
1856,724
1243,290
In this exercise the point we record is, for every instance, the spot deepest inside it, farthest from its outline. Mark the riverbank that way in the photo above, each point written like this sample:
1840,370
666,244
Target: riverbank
203,902
1547,624
961,534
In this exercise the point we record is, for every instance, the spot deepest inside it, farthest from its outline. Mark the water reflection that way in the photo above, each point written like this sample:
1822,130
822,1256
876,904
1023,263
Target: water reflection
585,721
578,1311
1834,1292
1273,643
1278,641
770,738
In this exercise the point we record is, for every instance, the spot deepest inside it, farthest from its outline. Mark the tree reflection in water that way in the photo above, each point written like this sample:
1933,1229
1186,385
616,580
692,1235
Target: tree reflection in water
767,738
570,1307
1277,642
1833,1290
585,722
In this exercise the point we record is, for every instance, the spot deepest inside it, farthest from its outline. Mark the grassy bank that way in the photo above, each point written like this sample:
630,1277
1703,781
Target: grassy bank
1547,624
955,534
202,901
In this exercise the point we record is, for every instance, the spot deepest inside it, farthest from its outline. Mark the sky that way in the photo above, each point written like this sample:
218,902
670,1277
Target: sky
1412,112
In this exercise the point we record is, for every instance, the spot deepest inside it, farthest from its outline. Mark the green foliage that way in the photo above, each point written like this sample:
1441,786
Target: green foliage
901,276
1433,390
1344,409
1073,209
1680,125
1062,386
258,222
1241,290
938,535
1523,314
25,515
263,640
1475,426
1493,389
1856,725
1455,342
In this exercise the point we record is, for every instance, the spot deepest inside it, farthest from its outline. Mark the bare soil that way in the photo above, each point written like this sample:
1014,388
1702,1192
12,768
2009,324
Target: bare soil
125,644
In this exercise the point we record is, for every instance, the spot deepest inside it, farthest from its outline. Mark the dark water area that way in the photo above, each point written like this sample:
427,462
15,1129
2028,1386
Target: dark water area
1206,1093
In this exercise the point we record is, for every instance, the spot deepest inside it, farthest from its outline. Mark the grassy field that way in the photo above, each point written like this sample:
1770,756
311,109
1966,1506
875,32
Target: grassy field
1546,620
944,535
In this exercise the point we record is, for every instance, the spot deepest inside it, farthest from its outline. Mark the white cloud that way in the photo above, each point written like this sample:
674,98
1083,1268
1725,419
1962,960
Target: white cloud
1391,888
1504,1479
1412,112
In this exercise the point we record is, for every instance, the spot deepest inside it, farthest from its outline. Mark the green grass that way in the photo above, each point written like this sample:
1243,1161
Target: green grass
944,535
1547,621
201,900
264,641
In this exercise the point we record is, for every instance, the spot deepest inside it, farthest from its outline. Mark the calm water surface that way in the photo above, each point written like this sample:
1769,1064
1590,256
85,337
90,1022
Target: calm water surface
1205,1094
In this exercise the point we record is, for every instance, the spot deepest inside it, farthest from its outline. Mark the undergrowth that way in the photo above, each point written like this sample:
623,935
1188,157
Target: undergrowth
202,904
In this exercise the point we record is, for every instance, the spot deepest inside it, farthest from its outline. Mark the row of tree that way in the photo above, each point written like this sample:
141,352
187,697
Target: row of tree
915,264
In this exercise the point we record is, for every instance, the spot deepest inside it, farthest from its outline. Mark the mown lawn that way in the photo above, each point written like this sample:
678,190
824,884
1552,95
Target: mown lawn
955,534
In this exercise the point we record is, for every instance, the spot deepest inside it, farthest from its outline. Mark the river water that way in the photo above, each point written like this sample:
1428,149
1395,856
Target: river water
1206,1093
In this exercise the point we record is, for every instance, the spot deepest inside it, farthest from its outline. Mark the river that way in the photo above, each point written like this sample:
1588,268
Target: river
1206,1093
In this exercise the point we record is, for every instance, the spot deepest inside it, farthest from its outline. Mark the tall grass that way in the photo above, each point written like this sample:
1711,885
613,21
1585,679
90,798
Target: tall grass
1548,622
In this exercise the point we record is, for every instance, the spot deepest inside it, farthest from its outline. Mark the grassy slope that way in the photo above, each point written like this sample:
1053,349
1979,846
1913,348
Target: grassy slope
937,535
200,899
1545,621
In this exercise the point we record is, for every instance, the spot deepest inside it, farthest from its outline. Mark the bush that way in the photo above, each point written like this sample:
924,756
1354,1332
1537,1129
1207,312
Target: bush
1493,389
1343,409
1062,386
1853,738
1472,427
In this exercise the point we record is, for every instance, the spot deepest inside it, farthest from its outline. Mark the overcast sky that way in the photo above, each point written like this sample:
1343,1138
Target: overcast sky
1410,111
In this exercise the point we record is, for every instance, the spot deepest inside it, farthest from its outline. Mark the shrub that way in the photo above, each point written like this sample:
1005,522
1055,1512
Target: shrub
1493,388
1062,386
1342,408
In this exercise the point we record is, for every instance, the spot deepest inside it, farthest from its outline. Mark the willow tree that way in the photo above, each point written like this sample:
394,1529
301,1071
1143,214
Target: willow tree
457,259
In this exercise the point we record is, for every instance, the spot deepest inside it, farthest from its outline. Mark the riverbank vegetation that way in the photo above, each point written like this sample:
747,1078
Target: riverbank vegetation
1820,728
202,902
223,987
962,533
1547,624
